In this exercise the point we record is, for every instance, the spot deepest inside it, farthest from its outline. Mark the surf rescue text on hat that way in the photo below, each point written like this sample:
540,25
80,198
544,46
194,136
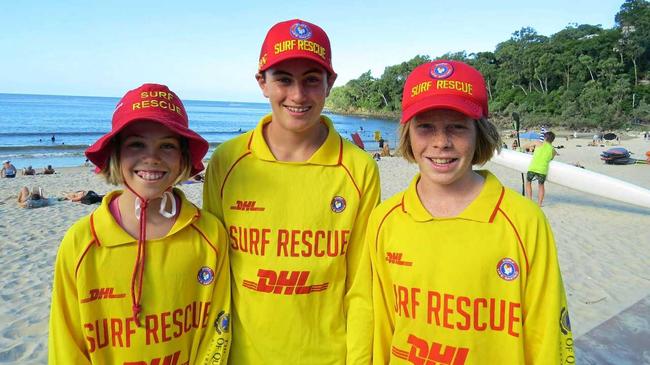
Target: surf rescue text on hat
157,99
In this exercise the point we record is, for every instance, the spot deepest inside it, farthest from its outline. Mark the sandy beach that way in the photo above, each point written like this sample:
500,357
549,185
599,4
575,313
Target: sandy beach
603,246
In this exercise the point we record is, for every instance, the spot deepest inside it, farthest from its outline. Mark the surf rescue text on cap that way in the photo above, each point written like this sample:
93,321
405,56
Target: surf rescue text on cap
296,39
444,84
156,103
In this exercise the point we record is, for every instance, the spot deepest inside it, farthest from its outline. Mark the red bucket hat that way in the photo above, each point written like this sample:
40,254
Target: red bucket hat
155,103
296,39
443,84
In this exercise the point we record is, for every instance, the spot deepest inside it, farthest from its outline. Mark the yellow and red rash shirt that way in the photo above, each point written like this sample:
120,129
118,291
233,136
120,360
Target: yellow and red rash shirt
185,295
301,279
480,288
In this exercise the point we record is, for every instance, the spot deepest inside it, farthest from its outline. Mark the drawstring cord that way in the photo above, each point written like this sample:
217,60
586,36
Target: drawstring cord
141,206
138,269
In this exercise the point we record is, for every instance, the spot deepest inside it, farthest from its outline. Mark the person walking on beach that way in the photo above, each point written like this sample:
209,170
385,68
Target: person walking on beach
173,306
465,270
295,196
538,168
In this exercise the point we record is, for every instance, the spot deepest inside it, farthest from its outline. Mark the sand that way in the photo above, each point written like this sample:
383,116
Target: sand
603,248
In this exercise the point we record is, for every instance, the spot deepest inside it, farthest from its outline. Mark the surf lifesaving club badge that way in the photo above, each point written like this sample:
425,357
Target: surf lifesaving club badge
205,275
507,269
441,70
300,31
338,204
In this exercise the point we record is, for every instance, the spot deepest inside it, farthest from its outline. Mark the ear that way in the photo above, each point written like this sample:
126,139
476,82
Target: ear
261,81
330,83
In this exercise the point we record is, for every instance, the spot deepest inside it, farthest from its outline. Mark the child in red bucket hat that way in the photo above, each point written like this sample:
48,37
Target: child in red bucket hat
295,197
465,269
165,307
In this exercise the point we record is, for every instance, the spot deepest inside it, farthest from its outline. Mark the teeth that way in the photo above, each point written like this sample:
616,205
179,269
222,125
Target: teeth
294,109
151,175
441,160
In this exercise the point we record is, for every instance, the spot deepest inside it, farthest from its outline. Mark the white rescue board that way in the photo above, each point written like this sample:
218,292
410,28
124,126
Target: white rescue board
579,179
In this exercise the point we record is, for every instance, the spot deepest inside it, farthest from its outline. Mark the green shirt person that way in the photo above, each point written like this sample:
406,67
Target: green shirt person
538,168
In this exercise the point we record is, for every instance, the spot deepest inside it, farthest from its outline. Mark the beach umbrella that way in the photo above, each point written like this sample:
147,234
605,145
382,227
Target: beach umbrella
529,135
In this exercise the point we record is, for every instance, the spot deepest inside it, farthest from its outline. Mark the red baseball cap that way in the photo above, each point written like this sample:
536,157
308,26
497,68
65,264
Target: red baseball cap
296,39
443,84
152,102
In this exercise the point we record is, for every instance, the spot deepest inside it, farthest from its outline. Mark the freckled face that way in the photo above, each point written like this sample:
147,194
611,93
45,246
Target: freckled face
150,158
443,143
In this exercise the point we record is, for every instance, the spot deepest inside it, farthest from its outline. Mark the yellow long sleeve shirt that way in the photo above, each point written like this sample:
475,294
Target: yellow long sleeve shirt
185,296
301,276
480,288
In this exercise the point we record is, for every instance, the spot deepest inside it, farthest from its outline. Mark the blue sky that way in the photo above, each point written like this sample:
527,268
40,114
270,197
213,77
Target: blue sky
208,50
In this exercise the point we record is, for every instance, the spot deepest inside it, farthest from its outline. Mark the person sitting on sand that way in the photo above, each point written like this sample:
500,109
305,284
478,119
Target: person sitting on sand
29,170
8,169
33,199
48,170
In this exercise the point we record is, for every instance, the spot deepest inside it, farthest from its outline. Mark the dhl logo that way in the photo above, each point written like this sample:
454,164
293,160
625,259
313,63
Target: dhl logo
246,205
396,258
423,354
167,360
284,282
102,293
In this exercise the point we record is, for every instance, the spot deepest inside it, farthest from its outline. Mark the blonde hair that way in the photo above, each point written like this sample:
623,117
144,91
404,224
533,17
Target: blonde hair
487,140
113,174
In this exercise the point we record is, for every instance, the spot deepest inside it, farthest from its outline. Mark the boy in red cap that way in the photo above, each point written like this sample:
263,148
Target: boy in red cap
295,198
173,305
465,271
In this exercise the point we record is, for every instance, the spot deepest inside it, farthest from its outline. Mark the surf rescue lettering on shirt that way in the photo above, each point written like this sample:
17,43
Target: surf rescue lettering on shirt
301,45
458,312
289,242
157,328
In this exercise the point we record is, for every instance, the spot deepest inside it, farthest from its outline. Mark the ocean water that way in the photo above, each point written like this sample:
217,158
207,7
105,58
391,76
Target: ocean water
28,123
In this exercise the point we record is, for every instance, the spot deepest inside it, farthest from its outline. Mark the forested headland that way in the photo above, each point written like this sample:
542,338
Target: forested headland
582,77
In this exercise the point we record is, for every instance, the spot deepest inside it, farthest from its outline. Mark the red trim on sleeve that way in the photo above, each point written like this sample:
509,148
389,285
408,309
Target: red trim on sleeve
340,163
496,208
223,185
521,244
90,244
250,141
340,150
383,219
351,178
205,238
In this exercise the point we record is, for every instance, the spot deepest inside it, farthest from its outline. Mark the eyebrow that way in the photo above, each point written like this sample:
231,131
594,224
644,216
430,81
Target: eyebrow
173,136
285,73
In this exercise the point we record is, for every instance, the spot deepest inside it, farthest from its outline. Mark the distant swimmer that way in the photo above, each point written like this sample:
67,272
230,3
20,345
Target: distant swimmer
53,138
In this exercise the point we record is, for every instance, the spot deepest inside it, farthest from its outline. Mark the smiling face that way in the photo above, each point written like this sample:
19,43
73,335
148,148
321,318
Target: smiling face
443,143
150,158
296,89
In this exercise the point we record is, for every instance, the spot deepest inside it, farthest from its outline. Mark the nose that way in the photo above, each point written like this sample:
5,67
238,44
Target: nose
298,93
151,155
441,139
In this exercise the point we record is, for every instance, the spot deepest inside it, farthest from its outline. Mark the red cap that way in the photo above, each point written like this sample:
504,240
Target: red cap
445,84
155,103
296,39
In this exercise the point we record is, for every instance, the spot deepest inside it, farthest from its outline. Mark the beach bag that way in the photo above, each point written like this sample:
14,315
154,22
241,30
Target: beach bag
91,197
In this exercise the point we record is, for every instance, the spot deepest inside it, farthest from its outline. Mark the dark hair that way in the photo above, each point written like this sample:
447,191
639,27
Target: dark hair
549,136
